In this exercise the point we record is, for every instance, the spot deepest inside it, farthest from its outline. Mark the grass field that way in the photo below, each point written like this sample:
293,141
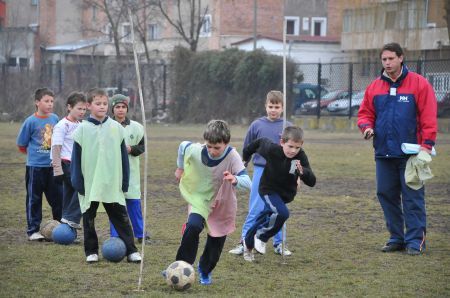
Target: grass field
335,232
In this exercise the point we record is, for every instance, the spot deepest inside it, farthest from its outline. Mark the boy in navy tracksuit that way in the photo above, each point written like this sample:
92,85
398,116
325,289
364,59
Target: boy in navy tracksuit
399,107
34,140
286,163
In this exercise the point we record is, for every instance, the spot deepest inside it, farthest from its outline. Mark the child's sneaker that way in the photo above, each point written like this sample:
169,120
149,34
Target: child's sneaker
238,250
134,257
260,246
36,236
92,258
204,279
277,250
71,224
249,256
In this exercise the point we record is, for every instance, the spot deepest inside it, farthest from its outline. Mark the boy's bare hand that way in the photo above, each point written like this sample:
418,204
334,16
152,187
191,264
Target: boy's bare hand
229,177
299,184
178,173
128,149
299,167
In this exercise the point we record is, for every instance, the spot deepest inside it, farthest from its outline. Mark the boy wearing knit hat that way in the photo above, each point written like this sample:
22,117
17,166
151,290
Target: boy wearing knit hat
134,140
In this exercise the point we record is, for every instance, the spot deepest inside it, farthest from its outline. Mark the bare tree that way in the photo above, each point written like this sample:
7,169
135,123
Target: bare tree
447,16
115,12
187,25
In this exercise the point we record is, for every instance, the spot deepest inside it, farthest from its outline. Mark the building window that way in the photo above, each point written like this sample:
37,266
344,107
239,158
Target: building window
23,62
34,2
126,32
305,25
205,30
109,32
318,26
94,12
292,25
12,62
153,32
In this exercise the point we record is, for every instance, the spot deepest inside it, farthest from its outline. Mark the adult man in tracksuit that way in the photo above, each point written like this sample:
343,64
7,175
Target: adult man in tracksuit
399,107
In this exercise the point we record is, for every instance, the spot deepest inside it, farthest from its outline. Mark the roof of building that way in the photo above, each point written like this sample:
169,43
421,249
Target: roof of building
77,45
295,38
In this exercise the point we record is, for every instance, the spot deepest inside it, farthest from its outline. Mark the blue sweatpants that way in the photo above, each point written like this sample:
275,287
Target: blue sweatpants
135,214
256,206
403,207
39,180
269,221
71,205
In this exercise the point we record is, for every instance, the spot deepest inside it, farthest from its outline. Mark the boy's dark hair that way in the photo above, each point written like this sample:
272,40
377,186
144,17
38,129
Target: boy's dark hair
95,92
217,131
75,97
274,97
392,47
41,92
293,133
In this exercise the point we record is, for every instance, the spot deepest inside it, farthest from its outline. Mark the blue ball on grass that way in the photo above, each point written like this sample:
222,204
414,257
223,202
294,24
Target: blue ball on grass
64,234
114,249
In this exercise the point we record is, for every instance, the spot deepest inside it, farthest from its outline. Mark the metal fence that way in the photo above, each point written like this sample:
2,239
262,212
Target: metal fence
337,89
112,77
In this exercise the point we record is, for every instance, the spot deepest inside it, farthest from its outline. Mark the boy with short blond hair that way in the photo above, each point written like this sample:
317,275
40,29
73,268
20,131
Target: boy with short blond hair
286,163
100,173
269,127
34,140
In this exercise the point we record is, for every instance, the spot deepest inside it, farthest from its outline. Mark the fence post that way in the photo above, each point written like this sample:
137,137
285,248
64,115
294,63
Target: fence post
350,89
60,75
419,66
164,85
319,86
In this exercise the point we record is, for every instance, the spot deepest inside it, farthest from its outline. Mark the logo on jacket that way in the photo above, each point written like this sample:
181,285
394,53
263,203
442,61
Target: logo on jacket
403,99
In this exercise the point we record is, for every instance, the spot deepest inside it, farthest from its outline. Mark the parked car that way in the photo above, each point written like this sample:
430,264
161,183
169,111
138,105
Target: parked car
310,107
342,107
443,106
304,92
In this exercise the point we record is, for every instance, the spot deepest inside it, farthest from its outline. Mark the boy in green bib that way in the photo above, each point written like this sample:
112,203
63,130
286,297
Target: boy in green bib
134,140
100,173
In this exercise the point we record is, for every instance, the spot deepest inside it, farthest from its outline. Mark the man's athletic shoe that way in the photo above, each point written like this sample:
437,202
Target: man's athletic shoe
391,247
134,257
36,236
413,252
92,258
249,256
277,250
238,250
260,246
205,279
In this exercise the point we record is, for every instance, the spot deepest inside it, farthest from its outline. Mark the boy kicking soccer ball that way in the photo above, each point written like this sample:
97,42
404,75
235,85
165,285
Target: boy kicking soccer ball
209,175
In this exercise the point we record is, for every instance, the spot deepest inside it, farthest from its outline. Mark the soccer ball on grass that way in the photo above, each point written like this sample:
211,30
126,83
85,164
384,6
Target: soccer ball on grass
180,275
47,229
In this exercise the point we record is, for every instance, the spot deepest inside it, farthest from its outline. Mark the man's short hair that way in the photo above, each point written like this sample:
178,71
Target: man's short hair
293,133
217,131
392,47
274,97
41,92
95,92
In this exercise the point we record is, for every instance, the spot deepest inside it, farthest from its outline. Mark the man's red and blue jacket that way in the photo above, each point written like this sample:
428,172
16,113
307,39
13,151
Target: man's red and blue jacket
404,111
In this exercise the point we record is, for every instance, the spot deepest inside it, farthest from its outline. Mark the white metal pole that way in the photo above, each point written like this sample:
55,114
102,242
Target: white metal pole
283,230
144,123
